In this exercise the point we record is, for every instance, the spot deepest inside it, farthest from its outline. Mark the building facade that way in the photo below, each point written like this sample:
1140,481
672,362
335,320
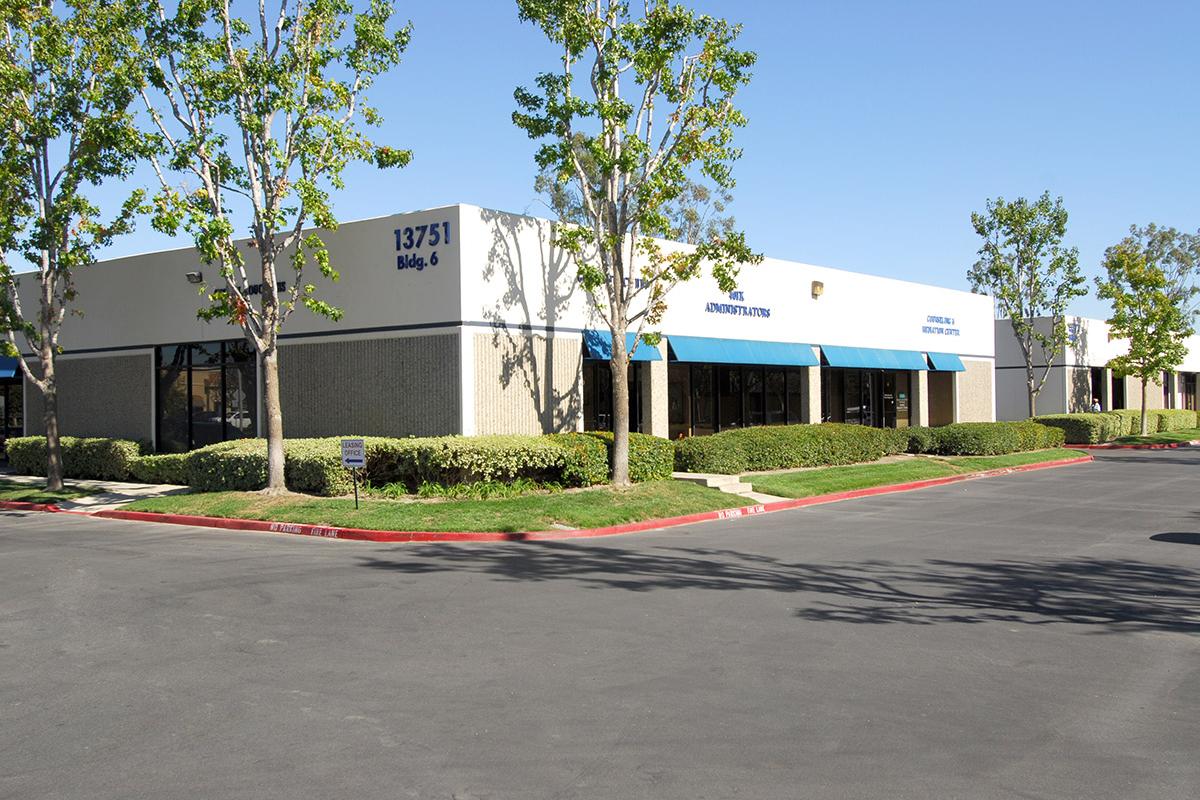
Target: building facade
464,320
1080,374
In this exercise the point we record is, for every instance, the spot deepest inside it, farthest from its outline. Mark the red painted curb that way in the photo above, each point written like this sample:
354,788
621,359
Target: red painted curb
21,505
359,534
1110,446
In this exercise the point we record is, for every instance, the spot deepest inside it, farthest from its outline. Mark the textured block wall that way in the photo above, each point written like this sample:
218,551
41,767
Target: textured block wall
975,392
526,383
406,386
109,396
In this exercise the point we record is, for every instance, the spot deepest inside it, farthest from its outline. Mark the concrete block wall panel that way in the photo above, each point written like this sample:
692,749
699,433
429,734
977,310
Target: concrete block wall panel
655,412
403,386
974,391
527,383
1133,394
109,396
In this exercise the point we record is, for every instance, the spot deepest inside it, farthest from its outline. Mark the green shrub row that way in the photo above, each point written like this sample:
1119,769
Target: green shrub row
983,438
832,444
1085,428
787,446
101,459
313,466
1099,427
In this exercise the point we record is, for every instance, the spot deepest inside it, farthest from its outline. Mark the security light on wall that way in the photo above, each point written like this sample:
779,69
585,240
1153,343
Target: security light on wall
195,277
818,289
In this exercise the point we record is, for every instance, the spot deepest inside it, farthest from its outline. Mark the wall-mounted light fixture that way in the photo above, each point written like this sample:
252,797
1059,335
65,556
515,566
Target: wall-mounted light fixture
195,277
818,289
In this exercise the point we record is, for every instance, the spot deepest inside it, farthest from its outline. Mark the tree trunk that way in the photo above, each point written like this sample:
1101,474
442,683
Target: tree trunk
54,463
1144,382
620,386
1032,402
274,420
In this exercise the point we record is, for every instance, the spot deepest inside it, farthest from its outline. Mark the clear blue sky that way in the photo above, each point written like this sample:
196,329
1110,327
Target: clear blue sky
875,127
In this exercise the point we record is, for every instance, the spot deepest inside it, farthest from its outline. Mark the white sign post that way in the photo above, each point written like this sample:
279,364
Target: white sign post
354,458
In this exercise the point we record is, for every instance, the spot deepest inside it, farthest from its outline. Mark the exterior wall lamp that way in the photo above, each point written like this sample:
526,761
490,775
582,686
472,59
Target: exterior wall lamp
818,289
195,277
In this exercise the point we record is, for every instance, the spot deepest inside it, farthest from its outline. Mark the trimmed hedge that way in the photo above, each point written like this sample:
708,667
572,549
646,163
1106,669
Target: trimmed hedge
1131,420
1174,419
168,468
100,459
651,458
832,444
786,447
1085,428
589,459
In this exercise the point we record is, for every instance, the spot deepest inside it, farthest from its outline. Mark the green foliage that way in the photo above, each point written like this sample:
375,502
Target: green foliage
485,490
650,458
65,128
589,462
1087,427
786,447
1147,310
977,439
228,466
1175,419
1025,267
170,468
638,115
1131,419
99,459
920,440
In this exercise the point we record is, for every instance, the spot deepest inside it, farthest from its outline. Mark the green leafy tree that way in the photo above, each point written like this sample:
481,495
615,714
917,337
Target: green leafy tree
698,214
260,117
1024,266
1146,310
65,127
642,103
1177,254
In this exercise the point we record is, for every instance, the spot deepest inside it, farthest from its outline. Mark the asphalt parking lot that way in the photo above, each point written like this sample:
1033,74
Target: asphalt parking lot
1029,636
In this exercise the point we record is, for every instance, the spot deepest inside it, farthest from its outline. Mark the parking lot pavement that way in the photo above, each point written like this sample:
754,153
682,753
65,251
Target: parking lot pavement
1035,635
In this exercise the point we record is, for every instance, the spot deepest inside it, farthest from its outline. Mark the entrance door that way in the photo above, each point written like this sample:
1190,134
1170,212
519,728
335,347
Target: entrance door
12,413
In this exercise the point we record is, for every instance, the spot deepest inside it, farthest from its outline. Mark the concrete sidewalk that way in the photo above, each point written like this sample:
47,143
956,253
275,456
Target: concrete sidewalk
108,495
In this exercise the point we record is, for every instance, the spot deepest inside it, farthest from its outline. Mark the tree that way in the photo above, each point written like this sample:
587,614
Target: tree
696,215
656,111
1146,310
1177,254
262,116
1025,267
65,97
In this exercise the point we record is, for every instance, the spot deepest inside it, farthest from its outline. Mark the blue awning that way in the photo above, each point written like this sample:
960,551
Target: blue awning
872,358
599,346
741,351
8,367
946,362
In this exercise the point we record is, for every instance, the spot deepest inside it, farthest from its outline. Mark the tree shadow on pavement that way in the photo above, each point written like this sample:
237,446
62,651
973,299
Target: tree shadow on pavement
1107,595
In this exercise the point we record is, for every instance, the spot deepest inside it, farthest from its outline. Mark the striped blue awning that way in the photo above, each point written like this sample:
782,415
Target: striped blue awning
873,358
703,350
8,367
946,362
599,346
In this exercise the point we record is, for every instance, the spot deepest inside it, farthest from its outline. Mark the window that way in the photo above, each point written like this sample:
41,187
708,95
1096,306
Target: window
776,397
795,396
207,393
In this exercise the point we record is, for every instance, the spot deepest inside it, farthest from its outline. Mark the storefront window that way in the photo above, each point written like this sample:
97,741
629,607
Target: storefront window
703,400
729,397
207,393
753,378
795,396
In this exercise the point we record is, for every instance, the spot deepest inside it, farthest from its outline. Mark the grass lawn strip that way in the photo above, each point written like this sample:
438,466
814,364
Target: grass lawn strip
591,508
865,476
25,493
1166,437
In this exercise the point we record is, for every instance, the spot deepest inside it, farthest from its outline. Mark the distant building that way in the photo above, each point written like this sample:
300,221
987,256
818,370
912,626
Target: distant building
1080,374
